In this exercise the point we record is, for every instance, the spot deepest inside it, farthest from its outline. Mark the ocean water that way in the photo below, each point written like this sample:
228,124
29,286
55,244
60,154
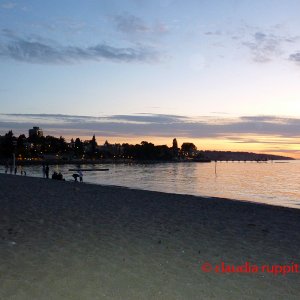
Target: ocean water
276,183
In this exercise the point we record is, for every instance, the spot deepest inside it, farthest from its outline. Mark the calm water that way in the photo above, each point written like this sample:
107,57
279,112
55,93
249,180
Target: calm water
276,183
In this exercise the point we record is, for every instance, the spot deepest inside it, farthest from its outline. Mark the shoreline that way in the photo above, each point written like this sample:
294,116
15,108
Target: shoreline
3,162
201,197
81,241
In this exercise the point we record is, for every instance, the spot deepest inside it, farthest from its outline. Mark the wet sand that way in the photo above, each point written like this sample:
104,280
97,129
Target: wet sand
66,240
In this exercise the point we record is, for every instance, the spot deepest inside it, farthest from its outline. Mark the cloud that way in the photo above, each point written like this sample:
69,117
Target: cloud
134,26
40,51
8,5
264,47
282,151
213,33
279,141
266,119
263,44
295,57
66,25
7,33
130,24
146,118
260,36
159,125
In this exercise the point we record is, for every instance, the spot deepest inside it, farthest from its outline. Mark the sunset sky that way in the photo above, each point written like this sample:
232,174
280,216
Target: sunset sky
222,74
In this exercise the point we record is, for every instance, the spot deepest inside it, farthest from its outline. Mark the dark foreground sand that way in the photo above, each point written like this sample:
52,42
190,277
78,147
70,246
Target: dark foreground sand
66,240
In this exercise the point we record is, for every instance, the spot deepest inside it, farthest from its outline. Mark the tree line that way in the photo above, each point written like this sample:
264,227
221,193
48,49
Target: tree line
49,147
39,147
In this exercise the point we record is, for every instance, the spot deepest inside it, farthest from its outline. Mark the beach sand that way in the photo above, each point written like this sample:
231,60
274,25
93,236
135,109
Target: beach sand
66,240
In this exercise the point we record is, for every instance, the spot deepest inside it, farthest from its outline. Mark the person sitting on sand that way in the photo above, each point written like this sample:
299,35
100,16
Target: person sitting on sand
57,176
75,176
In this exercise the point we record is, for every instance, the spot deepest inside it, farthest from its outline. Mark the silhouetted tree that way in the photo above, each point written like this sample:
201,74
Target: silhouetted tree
175,149
21,146
7,145
188,149
93,144
163,152
79,150
63,147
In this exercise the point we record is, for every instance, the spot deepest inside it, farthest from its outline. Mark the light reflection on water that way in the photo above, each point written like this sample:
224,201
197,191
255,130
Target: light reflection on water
273,183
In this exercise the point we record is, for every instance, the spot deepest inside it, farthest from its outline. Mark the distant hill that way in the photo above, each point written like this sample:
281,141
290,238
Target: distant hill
230,155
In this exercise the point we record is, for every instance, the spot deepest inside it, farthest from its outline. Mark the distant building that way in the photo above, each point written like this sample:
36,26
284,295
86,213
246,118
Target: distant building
35,131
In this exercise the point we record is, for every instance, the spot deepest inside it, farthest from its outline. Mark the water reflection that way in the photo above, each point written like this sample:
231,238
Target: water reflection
273,183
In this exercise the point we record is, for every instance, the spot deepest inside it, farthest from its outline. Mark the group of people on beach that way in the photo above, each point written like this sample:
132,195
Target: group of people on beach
12,170
59,176
9,168
55,175
46,171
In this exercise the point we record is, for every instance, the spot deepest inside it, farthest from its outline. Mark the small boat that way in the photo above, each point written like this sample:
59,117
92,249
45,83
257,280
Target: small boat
87,170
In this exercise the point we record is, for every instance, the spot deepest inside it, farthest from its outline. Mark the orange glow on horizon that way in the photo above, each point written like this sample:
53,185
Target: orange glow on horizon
257,144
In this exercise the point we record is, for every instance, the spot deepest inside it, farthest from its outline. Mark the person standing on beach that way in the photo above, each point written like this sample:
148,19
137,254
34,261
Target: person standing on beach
44,171
80,176
47,171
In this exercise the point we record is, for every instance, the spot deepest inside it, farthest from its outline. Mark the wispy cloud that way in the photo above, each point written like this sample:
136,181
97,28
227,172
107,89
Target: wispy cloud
264,46
267,45
40,51
130,24
162,125
275,141
295,57
134,26
213,33
65,25
8,5
148,118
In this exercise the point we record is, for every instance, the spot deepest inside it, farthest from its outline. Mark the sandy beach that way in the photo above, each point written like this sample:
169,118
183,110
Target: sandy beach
66,240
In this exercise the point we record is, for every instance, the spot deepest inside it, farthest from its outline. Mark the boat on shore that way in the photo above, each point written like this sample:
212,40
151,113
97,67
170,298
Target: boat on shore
87,170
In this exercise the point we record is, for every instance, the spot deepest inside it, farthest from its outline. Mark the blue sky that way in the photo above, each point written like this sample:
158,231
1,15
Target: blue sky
201,60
